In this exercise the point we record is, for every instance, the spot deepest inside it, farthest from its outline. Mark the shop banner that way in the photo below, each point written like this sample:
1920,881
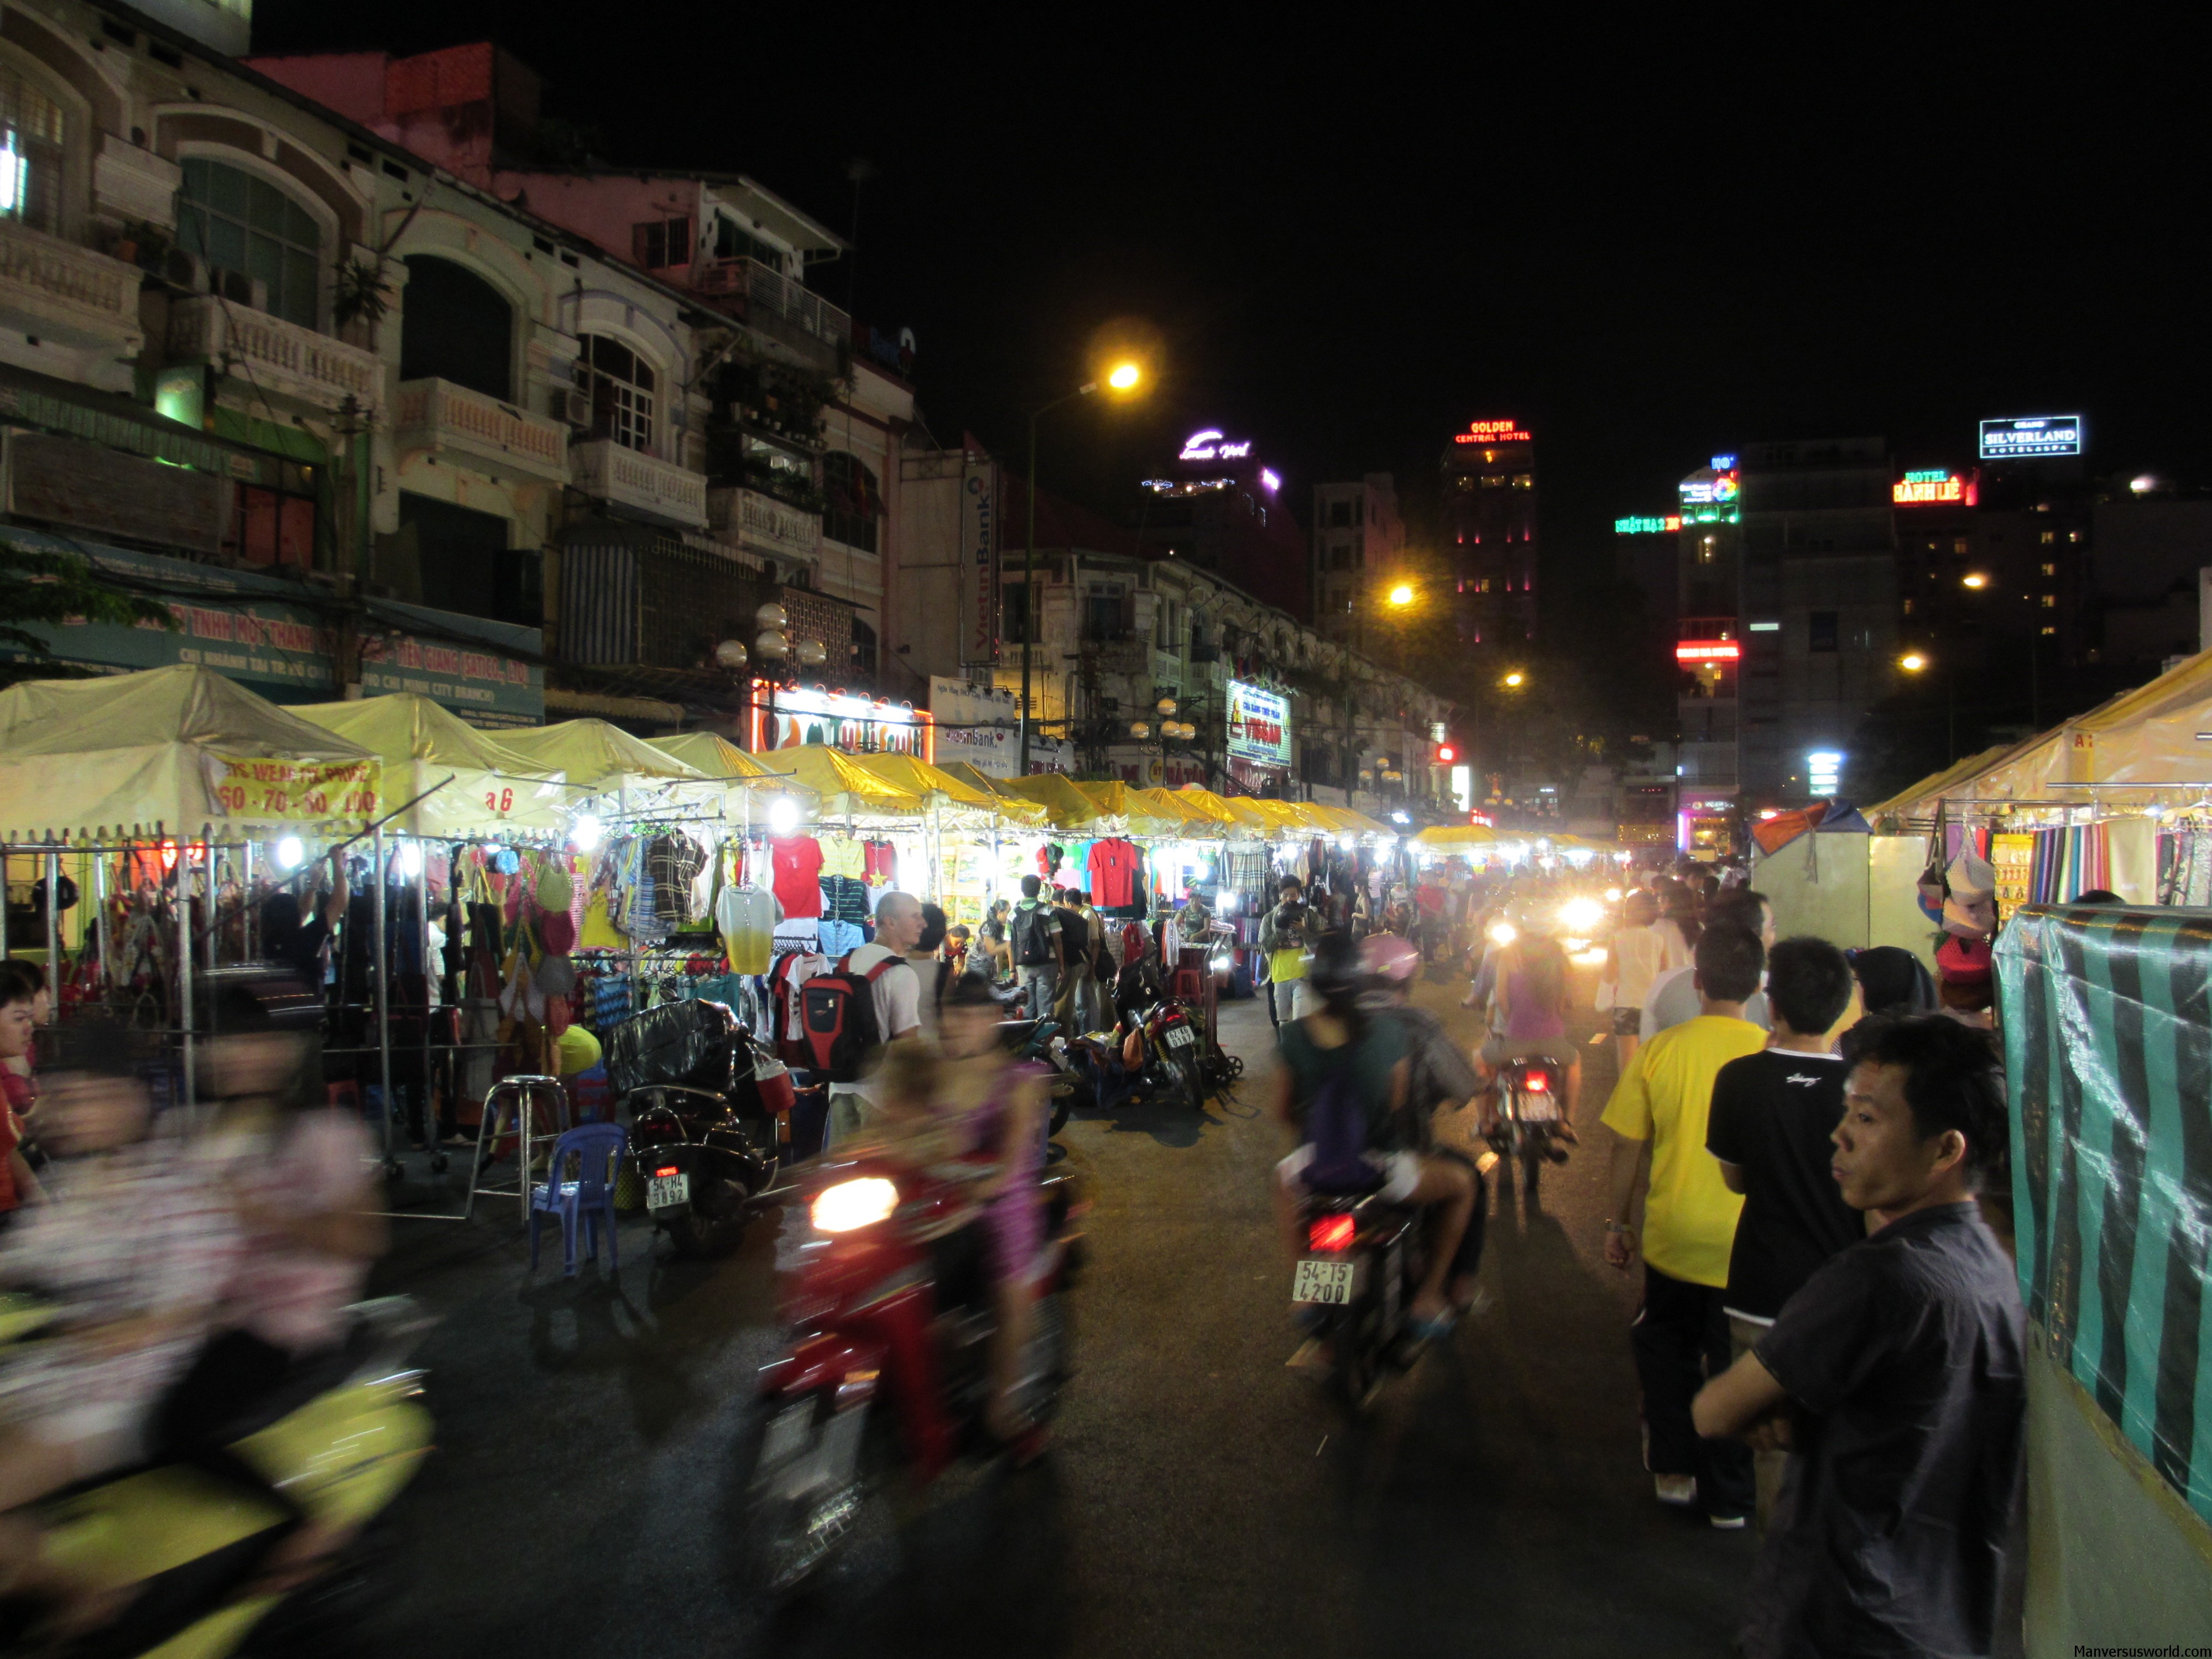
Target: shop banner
1258,725
262,790
979,564
2013,858
977,725
488,677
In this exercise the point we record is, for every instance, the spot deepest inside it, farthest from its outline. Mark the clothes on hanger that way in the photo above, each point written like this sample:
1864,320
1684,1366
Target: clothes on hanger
1112,864
798,881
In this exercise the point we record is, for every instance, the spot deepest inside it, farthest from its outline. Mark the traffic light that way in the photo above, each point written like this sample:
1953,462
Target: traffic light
1446,754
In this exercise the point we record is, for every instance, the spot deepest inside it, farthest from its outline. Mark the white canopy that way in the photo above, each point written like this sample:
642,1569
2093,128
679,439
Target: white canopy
178,751
477,787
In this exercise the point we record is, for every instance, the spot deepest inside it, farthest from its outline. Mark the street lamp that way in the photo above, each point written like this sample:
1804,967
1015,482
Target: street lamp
1403,595
1975,579
771,648
1916,662
1514,680
1123,379
1912,662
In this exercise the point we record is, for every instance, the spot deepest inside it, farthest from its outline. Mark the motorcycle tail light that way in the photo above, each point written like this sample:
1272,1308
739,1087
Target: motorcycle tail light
667,1169
851,1205
1540,1082
1332,1232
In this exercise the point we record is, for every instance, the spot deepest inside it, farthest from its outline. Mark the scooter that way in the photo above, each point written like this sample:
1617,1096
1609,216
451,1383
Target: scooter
1043,1041
710,1117
182,1543
1529,1116
883,1284
1363,1259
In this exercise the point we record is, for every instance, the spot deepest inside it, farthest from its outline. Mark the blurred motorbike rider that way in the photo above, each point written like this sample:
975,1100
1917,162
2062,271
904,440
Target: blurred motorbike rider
1341,1041
137,1249
999,1103
1528,1011
1438,1077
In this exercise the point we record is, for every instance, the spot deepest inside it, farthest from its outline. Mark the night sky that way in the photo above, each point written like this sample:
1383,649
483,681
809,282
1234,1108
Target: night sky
1360,230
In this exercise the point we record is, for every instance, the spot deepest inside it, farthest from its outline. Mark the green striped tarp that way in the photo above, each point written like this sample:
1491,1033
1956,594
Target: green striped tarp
2108,1062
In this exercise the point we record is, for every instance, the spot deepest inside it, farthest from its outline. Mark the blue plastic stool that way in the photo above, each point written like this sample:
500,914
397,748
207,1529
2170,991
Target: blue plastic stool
588,1201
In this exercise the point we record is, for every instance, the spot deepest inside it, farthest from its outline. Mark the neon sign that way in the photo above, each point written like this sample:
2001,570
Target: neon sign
1708,651
1824,769
1493,432
1709,495
2031,434
1927,488
1210,446
1642,526
1270,480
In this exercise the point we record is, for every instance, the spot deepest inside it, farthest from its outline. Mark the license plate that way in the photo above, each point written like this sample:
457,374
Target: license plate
1538,1109
1323,1280
667,1192
1179,1036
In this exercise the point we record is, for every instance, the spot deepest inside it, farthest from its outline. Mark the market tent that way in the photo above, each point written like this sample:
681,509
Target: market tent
176,751
1143,812
845,788
1455,837
717,758
1920,799
937,787
475,784
1349,819
1240,811
1067,807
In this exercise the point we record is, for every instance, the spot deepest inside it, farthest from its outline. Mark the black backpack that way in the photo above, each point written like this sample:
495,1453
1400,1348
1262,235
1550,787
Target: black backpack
1032,943
837,1019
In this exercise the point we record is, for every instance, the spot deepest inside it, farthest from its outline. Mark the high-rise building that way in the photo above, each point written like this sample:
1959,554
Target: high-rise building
1490,532
1359,544
1219,508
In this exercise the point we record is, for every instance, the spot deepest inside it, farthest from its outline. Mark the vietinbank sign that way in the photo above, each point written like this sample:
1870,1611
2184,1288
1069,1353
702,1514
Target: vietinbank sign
1258,725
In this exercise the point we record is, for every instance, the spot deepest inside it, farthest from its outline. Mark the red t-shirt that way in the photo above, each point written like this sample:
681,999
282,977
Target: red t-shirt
1112,869
798,876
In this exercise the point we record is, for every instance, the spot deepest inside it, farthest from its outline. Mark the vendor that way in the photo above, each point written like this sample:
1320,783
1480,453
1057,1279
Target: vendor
303,945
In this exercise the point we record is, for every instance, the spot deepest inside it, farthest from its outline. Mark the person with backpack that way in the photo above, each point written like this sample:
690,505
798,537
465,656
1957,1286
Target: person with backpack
871,996
1341,1090
1033,934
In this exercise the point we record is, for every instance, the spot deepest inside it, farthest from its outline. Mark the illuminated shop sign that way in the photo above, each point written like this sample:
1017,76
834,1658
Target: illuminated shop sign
2031,434
1258,725
1708,651
1824,770
1931,488
856,725
1493,432
1642,526
1708,494
1270,480
1210,446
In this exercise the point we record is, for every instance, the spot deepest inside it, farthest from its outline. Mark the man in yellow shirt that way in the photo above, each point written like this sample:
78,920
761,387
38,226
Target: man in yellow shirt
1681,1332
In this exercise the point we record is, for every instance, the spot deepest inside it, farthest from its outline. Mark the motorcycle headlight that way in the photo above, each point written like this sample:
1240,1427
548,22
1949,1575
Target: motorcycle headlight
1582,916
1503,934
851,1205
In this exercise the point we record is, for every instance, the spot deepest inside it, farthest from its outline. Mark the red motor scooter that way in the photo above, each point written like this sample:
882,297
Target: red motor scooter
883,1282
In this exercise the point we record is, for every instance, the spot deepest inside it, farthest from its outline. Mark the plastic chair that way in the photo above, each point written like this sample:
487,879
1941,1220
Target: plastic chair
588,1201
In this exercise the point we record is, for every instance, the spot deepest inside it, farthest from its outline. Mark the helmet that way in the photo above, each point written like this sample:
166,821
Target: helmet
1389,957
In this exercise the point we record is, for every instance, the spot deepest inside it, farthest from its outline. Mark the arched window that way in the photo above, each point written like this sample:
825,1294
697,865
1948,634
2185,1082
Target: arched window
238,221
456,327
621,386
30,153
853,501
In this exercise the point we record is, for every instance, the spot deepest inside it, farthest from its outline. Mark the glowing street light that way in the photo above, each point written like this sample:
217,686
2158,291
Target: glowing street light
1975,579
1125,376
1912,662
1402,594
1514,679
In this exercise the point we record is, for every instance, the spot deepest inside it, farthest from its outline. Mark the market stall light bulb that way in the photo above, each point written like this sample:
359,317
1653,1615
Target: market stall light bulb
291,854
586,833
782,816
410,859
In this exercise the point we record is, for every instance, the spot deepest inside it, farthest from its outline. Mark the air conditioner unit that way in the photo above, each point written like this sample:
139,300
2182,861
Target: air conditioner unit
569,404
185,270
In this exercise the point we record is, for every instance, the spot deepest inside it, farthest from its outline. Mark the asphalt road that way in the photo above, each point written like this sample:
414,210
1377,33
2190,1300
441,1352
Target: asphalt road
1200,1499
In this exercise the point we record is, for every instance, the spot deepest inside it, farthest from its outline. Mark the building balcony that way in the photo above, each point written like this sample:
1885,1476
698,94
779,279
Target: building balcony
1130,657
764,523
276,356
786,312
644,485
55,290
438,417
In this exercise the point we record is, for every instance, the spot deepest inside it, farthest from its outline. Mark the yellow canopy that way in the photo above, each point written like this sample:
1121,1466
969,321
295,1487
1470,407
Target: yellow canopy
919,778
172,751
1240,811
717,758
1065,806
845,788
596,754
1140,810
1453,835
476,784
